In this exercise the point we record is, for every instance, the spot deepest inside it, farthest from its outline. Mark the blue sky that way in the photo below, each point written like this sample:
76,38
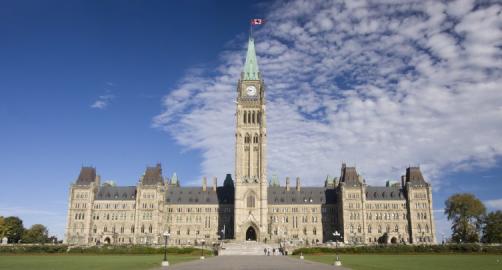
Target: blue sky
122,85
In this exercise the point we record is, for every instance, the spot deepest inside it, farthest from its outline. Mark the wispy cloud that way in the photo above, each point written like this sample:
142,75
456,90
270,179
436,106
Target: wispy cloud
494,204
103,101
381,85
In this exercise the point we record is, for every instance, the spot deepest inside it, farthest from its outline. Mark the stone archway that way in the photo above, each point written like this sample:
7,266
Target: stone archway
250,234
393,240
107,241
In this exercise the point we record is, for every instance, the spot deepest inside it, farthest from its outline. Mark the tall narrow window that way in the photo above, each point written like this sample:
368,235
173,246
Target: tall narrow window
245,117
249,117
250,201
259,118
254,117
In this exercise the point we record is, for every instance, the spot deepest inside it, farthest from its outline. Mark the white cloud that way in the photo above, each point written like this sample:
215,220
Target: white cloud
495,204
381,86
103,101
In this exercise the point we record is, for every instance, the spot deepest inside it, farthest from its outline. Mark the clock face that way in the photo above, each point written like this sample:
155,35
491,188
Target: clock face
251,90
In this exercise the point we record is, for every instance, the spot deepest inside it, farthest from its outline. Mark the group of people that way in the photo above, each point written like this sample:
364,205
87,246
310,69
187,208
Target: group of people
274,251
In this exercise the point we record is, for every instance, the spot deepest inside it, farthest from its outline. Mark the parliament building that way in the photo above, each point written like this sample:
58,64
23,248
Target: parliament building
249,206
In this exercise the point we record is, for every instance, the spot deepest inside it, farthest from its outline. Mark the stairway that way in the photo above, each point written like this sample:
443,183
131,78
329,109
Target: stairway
245,248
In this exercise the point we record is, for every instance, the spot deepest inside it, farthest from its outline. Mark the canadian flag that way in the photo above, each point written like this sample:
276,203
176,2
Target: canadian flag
257,21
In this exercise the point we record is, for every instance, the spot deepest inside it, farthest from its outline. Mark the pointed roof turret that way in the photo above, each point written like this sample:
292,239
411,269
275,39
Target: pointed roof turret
251,71
174,180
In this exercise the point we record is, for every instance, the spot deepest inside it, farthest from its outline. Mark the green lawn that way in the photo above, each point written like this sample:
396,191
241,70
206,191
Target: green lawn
88,262
414,262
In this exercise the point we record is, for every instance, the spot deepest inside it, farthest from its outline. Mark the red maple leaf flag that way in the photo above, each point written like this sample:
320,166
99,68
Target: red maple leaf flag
257,21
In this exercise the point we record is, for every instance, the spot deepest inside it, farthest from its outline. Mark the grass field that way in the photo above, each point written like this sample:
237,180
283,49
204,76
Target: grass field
88,262
414,262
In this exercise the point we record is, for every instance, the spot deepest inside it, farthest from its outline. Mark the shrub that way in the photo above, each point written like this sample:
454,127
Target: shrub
106,249
404,249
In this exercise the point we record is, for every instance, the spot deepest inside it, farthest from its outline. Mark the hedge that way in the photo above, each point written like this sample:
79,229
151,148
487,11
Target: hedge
396,249
130,249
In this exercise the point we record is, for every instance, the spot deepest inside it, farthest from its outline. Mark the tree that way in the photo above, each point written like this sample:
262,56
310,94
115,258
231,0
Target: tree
13,228
384,239
2,227
466,213
492,230
38,233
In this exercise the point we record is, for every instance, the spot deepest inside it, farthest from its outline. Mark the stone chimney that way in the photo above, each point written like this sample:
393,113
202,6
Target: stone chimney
298,185
204,183
287,184
215,183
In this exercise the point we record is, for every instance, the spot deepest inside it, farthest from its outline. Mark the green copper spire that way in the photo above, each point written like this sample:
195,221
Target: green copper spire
251,71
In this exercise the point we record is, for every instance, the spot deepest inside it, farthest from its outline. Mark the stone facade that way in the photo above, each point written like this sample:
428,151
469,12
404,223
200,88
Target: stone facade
250,207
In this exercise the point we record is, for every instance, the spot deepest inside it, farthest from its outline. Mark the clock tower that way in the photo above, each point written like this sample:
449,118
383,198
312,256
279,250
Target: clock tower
250,153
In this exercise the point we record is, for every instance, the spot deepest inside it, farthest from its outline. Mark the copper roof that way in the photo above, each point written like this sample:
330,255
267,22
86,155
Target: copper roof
153,175
87,176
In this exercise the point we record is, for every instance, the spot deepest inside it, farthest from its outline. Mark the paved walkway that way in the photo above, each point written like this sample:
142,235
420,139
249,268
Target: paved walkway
252,263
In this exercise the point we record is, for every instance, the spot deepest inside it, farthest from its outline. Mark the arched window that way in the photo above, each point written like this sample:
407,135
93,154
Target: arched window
247,139
150,229
94,229
142,228
250,201
249,117
396,229
379,228
351,228
427,228
132,229
359,228
258,120
245,117
369,229
419,228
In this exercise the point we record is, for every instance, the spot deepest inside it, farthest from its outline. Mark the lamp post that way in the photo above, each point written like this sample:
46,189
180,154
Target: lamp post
166,237
337,235
202,249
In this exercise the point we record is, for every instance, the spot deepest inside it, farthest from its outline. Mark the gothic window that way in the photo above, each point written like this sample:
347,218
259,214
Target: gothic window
132,229
250,201
259,118
379,228
359,228
369,229
427,228
249,117
142,228
253,117
245,117
94,229
150,229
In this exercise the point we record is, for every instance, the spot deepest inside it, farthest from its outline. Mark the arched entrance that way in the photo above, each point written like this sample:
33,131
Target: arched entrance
107,241
251,234
393,240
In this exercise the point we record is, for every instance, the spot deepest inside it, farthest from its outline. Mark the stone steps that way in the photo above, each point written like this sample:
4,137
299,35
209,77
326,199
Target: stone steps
244,248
